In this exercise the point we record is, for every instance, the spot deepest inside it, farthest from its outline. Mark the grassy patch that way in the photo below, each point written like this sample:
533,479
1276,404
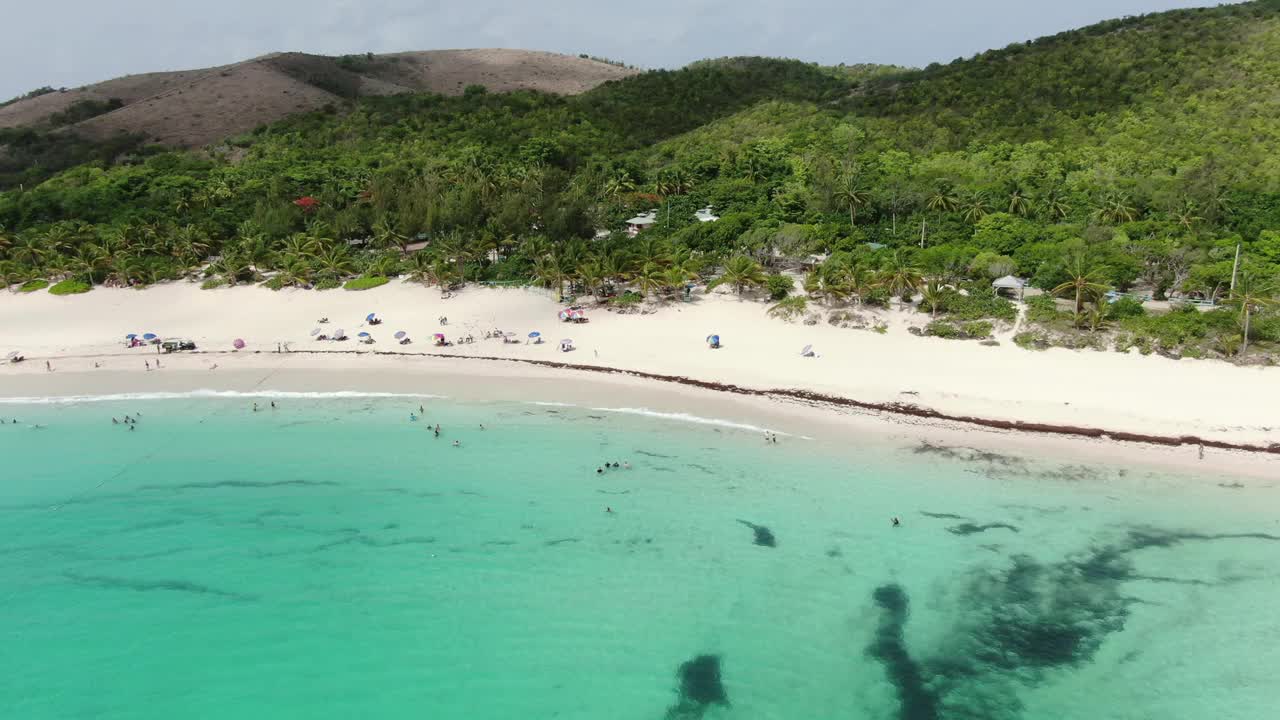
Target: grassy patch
367,282
34,285
70,287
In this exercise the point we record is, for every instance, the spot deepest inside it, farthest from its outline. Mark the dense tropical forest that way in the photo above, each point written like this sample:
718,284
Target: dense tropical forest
1137,156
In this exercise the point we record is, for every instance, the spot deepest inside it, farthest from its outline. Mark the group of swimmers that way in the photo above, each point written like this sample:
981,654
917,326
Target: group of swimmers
273,406
614,465
132,422
770,437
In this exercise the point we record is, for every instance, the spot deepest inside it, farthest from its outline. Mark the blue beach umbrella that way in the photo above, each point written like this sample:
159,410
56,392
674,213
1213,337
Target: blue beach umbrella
713,339
370,317
363,334
535,334
130,336
400,334
149,336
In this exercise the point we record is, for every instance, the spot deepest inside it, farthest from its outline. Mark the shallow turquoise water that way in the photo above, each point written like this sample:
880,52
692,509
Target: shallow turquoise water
331,559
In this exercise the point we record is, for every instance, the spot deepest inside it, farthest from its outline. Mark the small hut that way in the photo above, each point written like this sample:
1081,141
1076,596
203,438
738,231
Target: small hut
1012,284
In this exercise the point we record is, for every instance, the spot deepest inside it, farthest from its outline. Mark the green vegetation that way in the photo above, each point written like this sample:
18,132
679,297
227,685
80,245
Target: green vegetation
1134,155
70,287
27,96
33,285
365,283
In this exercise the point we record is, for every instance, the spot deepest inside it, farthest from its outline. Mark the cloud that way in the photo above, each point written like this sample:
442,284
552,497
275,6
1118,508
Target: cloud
55,46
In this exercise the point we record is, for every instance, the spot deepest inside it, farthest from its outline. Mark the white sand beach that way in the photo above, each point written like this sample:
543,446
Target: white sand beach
82,337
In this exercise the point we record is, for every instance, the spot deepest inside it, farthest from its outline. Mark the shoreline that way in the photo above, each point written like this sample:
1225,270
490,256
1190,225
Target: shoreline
797,413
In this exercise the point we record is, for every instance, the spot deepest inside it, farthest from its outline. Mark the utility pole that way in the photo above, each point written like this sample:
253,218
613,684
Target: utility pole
1235,270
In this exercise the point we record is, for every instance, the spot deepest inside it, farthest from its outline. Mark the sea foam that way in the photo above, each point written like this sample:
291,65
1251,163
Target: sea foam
208,394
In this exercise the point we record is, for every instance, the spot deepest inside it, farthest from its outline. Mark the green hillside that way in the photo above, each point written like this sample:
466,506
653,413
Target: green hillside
1135,154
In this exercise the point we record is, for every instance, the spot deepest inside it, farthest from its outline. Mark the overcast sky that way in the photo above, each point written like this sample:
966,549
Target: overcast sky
70,43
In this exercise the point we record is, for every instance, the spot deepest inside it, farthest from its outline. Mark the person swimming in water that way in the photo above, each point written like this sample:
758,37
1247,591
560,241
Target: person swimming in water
132,428
599,471
608,510
115,421
896,522
413,418
457,443
626,465
273,403
255,407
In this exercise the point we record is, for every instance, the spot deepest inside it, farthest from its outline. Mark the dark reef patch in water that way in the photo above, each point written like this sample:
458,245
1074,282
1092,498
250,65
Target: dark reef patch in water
700,687
969,528
562,541
943,516
648,453
1021,621
763,535
118,583
916,700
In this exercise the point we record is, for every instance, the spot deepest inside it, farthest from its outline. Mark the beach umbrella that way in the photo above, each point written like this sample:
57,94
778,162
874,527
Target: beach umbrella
807,349
11,355
238,344
566,341
370,317
400,334
130,336
149,336
564,314
363,334
713,339
315,332
438,336
535,334
508,334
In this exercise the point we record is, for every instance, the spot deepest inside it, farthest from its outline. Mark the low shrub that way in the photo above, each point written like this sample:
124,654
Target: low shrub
626,299
779,286
70,287
367,282
1031,340
276,283
1042,310
974,330
211,283
34,285
977,305
1125,307
328,284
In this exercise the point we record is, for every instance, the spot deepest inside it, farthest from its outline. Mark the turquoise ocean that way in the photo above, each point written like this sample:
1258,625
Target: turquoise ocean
331,558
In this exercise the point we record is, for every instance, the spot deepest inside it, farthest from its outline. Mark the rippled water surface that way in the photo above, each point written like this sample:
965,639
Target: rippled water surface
332,559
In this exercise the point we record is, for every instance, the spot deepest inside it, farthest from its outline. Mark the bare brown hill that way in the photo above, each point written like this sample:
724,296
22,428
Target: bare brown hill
192,108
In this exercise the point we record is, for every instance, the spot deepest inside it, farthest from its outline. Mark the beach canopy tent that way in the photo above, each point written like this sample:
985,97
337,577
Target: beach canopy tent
566,345
1011,283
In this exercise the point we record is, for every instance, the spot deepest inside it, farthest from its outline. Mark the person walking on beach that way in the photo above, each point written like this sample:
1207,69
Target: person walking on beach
47,366
147,363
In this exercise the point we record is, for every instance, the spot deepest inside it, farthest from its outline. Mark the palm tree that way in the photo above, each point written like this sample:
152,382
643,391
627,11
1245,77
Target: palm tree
852,196
975,207
1186,214
901,278
591,274
1055,204
931,295
1083,284
741,272
547,272
943,200
1019,204
620,183
1250,296
1115,209
650,279
334,263
29,250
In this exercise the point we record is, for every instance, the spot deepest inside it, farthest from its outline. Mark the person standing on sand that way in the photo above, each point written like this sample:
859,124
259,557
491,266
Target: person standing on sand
147,363
48,367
